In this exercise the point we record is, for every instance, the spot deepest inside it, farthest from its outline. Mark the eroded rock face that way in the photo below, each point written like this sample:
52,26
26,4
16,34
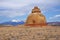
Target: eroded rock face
36,18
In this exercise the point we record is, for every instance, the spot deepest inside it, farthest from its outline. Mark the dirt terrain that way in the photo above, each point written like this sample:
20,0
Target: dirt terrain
30,33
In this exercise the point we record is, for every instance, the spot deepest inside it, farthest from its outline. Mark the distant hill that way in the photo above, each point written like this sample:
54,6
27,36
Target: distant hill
54,23
13,23
10,23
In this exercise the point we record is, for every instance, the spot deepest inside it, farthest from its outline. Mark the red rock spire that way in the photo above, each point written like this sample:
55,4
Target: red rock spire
36,18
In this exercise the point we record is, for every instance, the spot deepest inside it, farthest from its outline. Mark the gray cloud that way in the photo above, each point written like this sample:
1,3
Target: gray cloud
20,7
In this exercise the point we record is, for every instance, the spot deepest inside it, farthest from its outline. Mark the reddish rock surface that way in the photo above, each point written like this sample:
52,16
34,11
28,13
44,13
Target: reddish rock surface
36,18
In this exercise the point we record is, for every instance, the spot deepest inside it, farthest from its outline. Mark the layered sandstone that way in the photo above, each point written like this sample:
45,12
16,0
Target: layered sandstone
36,18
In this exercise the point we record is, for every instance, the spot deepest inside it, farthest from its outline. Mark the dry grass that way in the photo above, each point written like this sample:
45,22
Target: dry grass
30,33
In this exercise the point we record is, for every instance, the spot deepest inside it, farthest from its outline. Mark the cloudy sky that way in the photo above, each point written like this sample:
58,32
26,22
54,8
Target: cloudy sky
18,10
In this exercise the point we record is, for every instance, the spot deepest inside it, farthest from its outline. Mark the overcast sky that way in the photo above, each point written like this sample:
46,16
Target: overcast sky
20,9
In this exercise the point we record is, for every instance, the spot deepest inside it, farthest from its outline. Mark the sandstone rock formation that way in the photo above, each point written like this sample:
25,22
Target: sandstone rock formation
36,18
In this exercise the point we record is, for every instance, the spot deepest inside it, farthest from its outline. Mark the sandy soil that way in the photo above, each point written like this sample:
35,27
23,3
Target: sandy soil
30,33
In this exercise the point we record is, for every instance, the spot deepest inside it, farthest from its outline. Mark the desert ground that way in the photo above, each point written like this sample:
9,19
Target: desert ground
30,33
